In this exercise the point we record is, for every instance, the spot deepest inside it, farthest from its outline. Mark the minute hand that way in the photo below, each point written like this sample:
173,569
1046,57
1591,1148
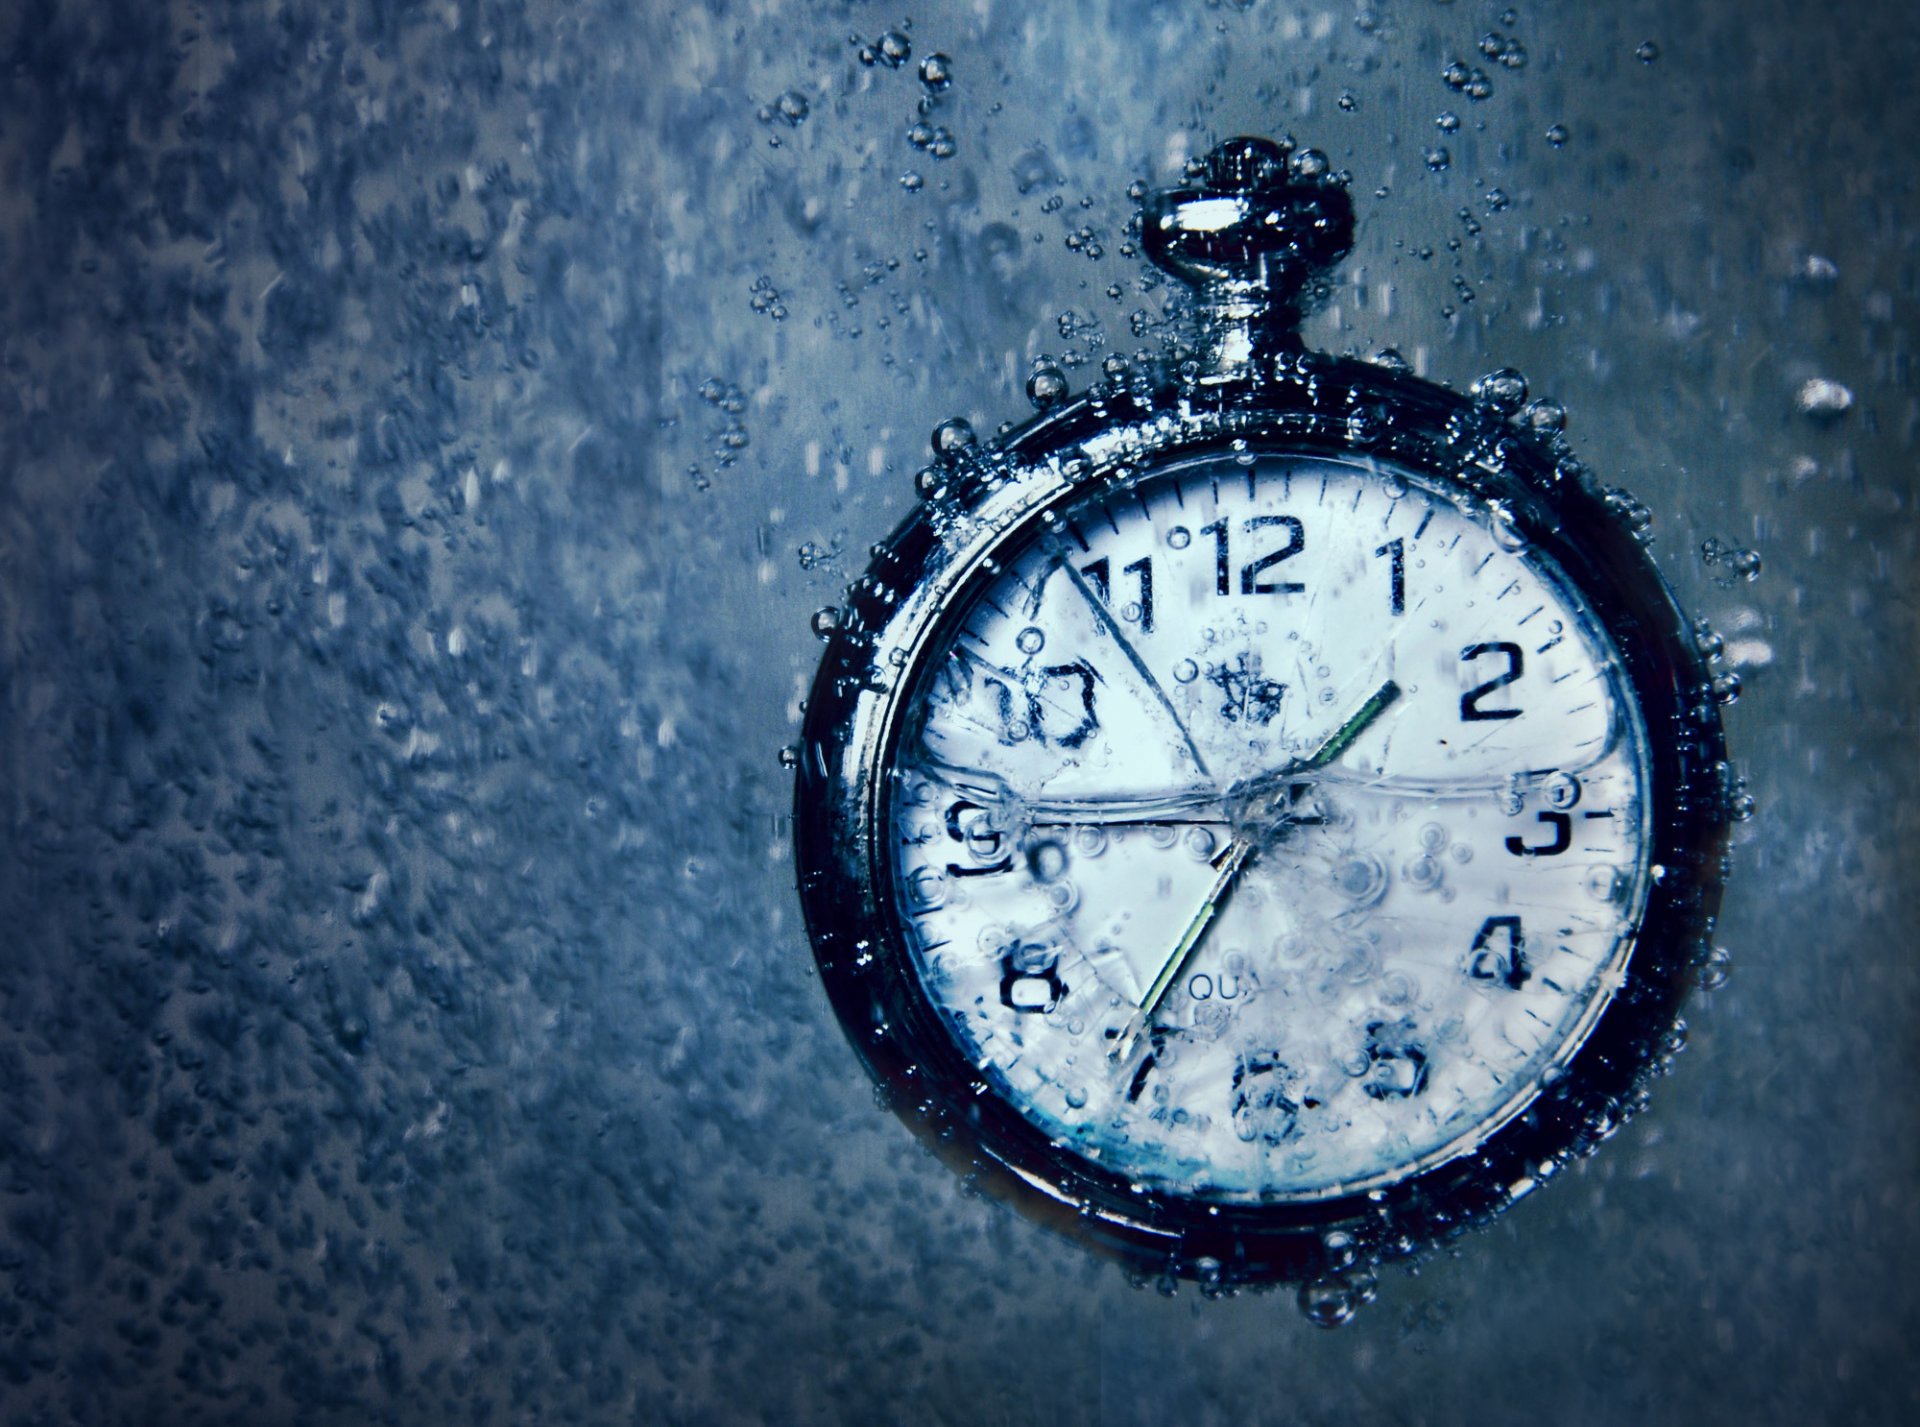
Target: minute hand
1268,789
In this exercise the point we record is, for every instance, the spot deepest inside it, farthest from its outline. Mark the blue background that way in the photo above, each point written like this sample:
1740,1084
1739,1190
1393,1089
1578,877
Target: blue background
412,498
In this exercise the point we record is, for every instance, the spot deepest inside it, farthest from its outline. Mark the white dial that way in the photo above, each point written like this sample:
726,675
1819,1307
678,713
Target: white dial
1272,829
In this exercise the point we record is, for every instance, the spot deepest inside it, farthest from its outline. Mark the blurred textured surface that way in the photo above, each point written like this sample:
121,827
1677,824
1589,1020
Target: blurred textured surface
424,432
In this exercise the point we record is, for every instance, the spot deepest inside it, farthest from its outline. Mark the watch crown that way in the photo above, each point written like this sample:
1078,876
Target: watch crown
1251,231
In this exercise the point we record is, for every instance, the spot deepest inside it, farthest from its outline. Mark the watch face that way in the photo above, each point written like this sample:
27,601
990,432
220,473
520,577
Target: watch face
1266,828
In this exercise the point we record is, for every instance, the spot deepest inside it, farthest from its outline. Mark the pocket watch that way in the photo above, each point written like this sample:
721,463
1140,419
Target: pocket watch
1262,817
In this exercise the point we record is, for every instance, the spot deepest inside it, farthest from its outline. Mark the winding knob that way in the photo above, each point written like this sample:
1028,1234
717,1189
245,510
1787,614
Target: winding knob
1257,223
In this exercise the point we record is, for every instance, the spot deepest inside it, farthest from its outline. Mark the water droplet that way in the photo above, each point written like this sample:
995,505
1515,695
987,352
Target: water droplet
1505,391
953,436
936,72
1447,122
1647,53
1726,688
826,621
1179,537
790,756
1047,386
1030,640
1390,358
920,134
1823,400
1186,671
1347,102
1438,157
894,49
1557,136
911,181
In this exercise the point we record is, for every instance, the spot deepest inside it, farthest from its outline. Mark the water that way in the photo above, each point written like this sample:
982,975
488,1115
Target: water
404,1015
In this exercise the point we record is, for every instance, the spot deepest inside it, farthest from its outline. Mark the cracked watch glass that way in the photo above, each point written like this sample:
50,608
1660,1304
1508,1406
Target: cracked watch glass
1193,945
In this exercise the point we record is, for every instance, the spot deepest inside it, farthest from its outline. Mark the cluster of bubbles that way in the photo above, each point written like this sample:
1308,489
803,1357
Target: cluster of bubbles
1468,80
892,50
1740,564
791,109
767,300
1504,49
933,139
813,555
726,398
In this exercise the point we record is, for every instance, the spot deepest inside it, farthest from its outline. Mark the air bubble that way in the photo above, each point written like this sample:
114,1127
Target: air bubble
1047,386
790,109
1647,53
1030,640
1543,417
1306,165
1708,641
1447,122
893,49
1186,671
1329,1302
912,182
936,72
1557,136
1179,538
1715,967
825,621
953,436
790,756
1438,158
1504,390
1391,360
